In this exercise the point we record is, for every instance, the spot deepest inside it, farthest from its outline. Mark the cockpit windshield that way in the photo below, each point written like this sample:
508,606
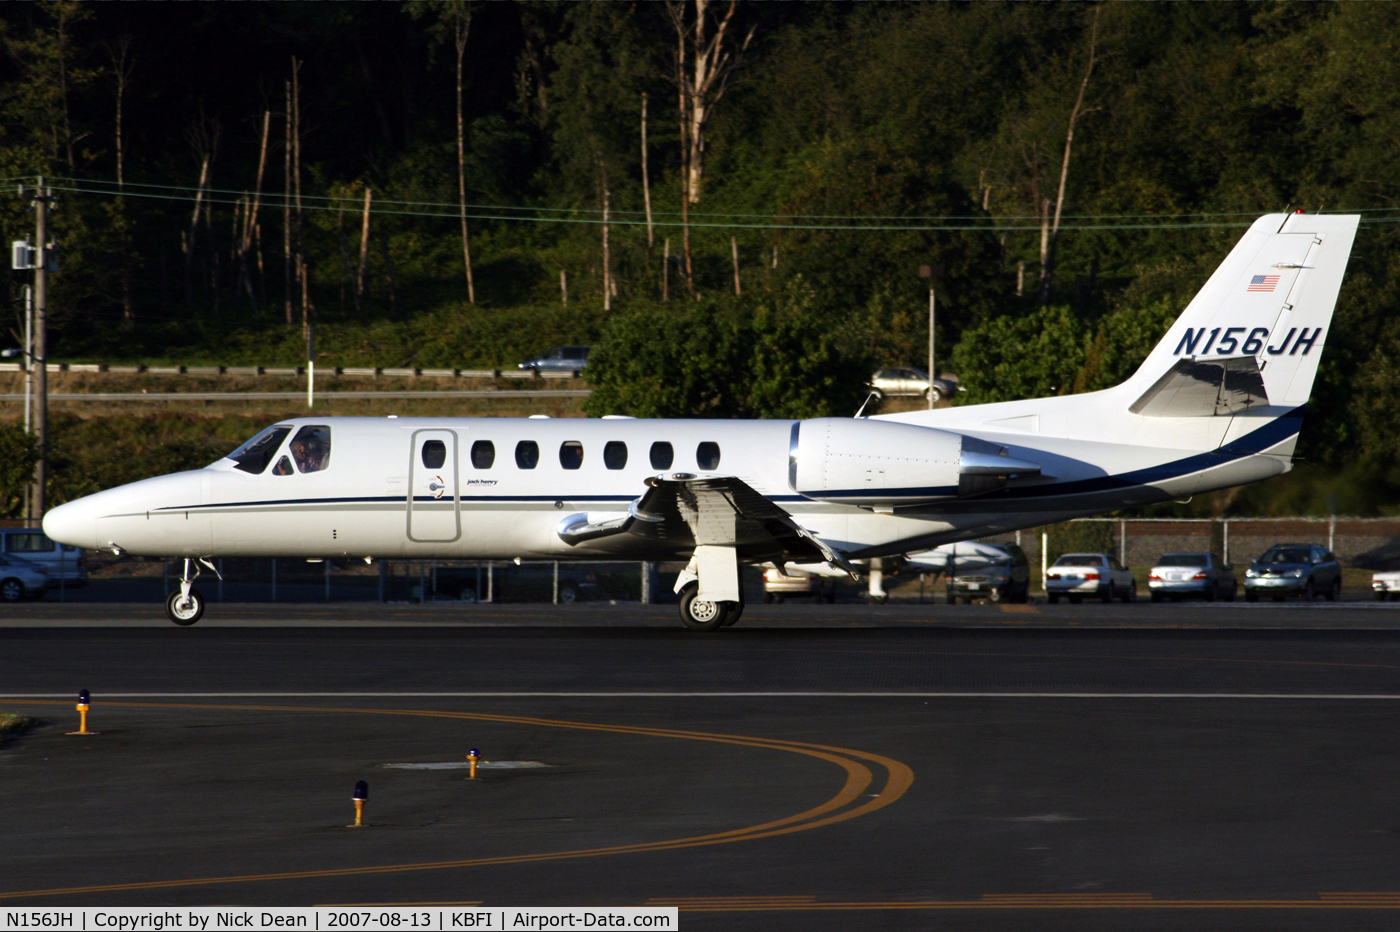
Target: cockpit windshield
254,455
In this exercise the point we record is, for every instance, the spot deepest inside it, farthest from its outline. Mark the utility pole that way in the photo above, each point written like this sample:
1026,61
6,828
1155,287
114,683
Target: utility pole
311,366
931,272
932,306
39,359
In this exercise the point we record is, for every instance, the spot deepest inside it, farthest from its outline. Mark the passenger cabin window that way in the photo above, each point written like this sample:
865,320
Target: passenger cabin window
283,467
483,454
254,455
527,454
662,456
311,448
434,454
707,455
571,454
615,455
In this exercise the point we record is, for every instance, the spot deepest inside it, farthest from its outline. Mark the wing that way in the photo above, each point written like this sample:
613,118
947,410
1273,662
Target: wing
723,511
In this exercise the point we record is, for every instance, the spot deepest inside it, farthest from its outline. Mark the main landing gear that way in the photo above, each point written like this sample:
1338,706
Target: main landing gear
700,615
717,566
185,605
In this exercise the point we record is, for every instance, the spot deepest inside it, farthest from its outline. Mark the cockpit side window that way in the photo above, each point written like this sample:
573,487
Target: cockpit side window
283,467
254,455
311,448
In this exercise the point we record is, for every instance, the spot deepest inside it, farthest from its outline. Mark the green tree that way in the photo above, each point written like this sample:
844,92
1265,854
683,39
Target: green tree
1121,342
1008,358
731,357
18,454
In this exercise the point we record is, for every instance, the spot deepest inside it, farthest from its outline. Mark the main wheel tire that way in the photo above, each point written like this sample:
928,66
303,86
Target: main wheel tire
11,590
734,610
700,615
185,612
1131,594
1335,592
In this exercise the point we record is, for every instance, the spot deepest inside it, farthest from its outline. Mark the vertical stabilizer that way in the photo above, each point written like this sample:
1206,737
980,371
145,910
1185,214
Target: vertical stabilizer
1261,321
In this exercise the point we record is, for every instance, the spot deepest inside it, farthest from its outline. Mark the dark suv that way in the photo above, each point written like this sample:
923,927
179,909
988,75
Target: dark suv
1005,579
1308,570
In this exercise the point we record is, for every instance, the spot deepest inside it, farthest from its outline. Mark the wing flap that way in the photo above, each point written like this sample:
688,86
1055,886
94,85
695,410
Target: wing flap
715,511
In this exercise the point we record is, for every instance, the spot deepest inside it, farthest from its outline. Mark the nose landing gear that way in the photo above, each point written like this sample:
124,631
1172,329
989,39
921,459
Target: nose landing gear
185,605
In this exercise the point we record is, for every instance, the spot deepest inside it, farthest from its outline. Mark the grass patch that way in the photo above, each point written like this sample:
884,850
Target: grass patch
12,724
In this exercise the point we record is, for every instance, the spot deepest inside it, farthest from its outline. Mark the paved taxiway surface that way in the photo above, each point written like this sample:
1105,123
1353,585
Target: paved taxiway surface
809,769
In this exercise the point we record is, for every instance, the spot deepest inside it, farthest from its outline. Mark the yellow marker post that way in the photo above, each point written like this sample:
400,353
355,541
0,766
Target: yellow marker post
472,757
84,704
360,797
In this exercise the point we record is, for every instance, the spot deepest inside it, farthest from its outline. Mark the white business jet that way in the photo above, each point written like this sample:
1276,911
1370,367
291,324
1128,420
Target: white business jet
1218,403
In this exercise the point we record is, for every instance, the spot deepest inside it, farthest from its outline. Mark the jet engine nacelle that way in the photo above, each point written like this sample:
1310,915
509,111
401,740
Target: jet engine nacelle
857,461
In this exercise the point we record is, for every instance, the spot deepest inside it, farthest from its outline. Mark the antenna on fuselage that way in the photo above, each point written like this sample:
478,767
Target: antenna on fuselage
866,403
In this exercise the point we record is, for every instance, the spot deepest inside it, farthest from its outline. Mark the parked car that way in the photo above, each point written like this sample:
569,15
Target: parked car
1076,575
973,569
906,380
1307,570
61,561
1178,575
797,584
559,359
1002,575
1386,585
21,579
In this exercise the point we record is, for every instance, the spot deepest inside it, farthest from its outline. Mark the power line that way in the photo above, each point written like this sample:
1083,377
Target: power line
572,215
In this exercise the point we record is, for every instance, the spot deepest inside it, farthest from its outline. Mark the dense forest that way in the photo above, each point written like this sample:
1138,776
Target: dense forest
733,202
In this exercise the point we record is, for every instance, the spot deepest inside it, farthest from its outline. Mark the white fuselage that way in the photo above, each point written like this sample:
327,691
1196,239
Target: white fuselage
375,497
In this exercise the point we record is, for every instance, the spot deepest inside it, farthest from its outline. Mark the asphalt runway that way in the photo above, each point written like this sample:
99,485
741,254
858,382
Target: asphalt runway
818,769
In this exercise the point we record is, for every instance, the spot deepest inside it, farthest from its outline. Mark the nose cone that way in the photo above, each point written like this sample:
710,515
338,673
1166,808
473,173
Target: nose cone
74,524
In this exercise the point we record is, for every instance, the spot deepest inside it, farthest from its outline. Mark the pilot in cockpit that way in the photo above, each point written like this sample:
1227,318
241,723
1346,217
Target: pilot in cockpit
310,449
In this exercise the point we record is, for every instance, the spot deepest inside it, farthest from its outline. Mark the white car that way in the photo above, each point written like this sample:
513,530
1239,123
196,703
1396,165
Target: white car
1076,575
19,579
1386,585
906,380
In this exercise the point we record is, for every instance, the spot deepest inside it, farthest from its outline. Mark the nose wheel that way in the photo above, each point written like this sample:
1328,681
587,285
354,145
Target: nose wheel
185,605
185,609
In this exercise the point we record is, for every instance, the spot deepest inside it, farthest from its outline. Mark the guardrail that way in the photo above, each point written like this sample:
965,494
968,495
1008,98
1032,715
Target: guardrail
301,370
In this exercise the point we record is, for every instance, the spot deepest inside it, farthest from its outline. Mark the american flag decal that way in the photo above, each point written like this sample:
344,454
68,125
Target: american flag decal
1262,283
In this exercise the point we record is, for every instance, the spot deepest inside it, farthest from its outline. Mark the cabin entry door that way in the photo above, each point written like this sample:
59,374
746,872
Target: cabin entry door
434,514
